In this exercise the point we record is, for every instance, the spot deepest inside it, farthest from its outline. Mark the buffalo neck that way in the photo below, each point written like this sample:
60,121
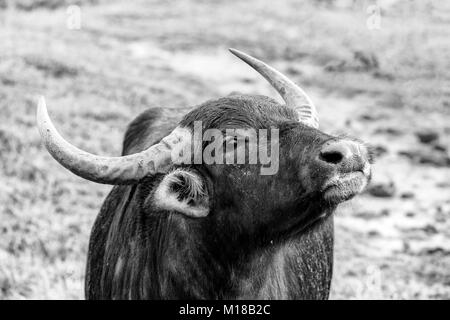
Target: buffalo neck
165,255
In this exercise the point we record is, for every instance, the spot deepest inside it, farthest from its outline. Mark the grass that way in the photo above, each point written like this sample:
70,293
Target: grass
130,56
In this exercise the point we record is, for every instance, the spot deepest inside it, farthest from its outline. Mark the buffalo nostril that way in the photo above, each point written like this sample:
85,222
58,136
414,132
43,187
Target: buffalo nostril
336,152
333,157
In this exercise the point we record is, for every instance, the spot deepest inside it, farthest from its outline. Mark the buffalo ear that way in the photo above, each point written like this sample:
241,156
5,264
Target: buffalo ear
183,191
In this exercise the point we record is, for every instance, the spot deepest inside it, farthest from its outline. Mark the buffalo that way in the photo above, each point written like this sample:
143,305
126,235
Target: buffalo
176,228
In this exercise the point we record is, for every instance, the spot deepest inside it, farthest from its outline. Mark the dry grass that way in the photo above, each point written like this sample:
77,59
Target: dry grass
380,85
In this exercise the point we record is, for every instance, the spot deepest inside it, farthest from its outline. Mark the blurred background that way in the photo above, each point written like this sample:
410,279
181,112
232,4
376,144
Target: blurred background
377,70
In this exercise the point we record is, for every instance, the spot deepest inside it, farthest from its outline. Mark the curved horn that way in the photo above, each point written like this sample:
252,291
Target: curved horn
292,94
109,170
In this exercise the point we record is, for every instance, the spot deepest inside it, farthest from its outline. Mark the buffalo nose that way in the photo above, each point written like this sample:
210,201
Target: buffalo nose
336,152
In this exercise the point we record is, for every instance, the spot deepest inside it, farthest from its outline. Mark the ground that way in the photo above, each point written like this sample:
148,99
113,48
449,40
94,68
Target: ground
383,79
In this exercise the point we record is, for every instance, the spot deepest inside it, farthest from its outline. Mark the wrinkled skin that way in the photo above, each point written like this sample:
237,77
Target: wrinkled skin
266,237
